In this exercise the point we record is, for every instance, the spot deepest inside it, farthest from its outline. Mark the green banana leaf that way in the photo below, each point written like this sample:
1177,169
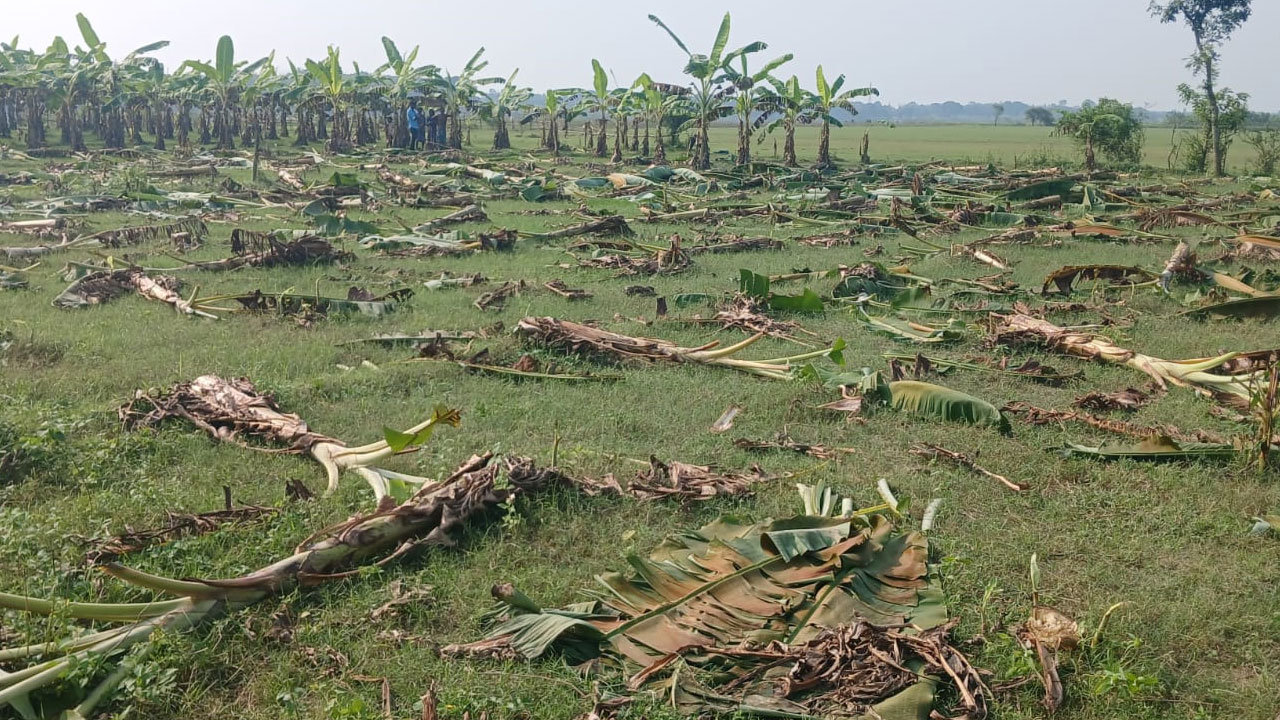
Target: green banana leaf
1264,307
905,333
1159,448
938,402
288,303
1042,189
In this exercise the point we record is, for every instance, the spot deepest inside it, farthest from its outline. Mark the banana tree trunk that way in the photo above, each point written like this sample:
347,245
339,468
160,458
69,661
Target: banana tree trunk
455,129
602,138
659,146
789,147
824,145
744,143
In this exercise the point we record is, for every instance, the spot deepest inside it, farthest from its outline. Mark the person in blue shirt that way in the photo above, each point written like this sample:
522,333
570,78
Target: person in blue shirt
414,116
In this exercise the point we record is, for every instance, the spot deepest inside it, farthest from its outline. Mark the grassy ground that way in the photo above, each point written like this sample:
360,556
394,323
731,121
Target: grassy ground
1200,637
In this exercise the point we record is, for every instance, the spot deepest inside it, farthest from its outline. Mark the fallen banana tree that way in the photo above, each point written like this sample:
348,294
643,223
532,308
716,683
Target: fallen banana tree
1235,388
799,617
97,287
431,517
229,409
589,340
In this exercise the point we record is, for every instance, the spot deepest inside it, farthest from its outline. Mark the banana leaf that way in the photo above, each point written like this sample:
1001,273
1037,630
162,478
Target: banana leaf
678,615
942,403
1161,448
1062,279
913,333
1263,307
757,286
289,303
1038,190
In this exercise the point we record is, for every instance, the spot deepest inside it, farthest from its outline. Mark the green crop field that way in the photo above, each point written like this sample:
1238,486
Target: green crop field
1128,492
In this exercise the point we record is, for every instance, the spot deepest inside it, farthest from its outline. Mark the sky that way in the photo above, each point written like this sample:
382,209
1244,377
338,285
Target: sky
1036,51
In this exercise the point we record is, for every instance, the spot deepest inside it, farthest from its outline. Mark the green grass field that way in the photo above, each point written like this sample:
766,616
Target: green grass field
1198,638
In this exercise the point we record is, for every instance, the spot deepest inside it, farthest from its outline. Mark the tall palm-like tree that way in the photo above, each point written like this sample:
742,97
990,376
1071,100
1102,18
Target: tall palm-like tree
599,101
828,99
747,95
460,92
783,106
708,95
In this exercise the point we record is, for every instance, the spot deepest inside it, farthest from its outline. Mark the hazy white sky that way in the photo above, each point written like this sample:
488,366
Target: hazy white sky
1037,51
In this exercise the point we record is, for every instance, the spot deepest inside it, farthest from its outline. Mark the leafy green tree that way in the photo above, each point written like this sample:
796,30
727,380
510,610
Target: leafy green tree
402,80
1109,126
1039,116
1229,114
1211,23
998,110
826,101
658,101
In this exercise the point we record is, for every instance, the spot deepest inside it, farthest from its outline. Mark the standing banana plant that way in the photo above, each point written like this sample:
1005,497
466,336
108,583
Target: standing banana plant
599,101
404,81
747,95
657,100
498,109
331,87
708,94
225,78
460,92
829,99
788,105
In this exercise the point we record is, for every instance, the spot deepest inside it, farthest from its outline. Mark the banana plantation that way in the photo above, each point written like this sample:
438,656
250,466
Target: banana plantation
330,391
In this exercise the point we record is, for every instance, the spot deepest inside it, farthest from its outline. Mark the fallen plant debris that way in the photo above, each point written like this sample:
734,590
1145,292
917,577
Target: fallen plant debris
496,298
935,452
432,516
98,287
1063,280
1033,415
1129,399
784,442
677,480
177,525
559,288
827,596
588,340
229,409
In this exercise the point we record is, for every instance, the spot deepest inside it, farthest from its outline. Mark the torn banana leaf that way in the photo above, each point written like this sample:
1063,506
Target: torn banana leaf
289,303
1263,307
936,401
1043,189
1063,279
913,332
757,286
1160,448
677,622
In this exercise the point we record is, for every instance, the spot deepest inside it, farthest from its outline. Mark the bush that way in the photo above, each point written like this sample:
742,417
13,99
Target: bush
1107,126
1266,143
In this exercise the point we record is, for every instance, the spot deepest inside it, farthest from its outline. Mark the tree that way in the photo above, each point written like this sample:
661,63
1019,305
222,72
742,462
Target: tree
998,109
826,101
598,100
1232,114
1211,23
1039,116
1110,126
788,105
707,97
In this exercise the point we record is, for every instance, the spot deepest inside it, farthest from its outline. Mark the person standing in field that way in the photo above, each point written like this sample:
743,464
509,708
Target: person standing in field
433,121
414,117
